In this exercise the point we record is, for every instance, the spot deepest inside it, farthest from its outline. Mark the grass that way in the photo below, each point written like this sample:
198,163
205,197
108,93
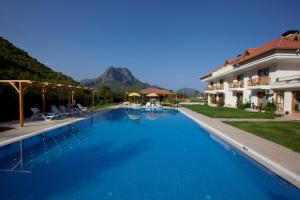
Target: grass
284,133
100,106
223,112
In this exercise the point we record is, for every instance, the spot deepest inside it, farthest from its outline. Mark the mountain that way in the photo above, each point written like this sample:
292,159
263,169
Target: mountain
187,91
15,63
118,79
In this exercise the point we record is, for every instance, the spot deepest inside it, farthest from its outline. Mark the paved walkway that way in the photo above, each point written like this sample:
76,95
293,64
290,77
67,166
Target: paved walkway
281,160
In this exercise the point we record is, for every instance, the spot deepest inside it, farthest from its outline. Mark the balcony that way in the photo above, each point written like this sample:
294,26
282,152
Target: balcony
237,84
215,87
259,81
292,82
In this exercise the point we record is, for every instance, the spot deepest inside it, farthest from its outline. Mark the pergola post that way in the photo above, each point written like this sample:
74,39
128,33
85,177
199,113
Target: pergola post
44,90
21,109
71,97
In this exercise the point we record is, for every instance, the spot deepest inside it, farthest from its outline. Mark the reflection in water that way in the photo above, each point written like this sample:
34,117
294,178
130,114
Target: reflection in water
119,115
134,117
151,116
23,156
16,163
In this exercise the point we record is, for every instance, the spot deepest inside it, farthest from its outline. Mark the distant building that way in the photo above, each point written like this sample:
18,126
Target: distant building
270,72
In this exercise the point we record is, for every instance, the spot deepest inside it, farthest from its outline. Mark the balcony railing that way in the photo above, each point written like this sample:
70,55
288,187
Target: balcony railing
259,81
215,87
237,84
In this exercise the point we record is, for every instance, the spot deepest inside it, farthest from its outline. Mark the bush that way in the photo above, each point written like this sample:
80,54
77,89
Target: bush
270,107
220,104
245,105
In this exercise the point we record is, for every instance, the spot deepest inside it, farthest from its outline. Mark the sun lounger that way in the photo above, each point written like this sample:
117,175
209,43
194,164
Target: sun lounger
135,105
157,104
83,109
37,114
126,103
65,110
55,110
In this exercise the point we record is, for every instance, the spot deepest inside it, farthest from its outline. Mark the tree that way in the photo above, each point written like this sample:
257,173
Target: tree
106,93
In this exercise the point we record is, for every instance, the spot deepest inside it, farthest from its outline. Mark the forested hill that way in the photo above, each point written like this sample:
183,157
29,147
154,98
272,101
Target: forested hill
15,63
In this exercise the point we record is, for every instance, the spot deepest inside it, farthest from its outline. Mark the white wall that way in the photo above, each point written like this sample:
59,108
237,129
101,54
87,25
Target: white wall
287,69
287,101
277,70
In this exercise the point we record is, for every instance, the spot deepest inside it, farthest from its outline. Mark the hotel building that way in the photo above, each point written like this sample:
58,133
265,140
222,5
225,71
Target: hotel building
270,72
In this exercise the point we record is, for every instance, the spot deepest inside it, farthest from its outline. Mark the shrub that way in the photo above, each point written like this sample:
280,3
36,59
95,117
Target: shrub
220,104
245,105
270,107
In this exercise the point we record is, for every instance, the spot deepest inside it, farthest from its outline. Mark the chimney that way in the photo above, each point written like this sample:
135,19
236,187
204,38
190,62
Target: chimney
289,32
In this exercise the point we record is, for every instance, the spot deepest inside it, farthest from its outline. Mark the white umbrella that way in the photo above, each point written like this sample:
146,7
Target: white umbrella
134,94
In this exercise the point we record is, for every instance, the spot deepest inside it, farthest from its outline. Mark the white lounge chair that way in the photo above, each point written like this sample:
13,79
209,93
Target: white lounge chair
37,114
55,110
148,104
126,103
66,111
83,109
157,104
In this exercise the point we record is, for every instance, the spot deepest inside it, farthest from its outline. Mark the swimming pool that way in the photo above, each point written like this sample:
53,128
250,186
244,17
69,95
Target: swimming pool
134,154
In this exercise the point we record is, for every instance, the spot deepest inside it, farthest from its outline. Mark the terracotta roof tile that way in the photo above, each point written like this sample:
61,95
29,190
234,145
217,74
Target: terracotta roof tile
291,41
156,91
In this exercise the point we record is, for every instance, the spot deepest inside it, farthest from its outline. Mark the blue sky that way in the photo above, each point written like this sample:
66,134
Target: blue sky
167,43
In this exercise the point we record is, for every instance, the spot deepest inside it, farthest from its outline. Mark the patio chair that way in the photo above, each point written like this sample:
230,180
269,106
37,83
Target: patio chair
37,114
66,111
74,108
148,104
55,110
157,104
83,109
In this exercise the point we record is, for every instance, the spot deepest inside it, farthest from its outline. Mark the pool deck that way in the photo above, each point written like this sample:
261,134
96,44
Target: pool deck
279,159
16,133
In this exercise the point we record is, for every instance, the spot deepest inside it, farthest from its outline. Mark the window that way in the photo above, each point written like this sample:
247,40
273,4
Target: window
296,102
263,72
240,77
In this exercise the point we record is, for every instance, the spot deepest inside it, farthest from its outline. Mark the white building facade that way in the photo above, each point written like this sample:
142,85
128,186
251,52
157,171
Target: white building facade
269,73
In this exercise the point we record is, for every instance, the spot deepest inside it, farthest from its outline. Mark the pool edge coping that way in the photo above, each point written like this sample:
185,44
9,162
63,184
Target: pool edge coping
271,165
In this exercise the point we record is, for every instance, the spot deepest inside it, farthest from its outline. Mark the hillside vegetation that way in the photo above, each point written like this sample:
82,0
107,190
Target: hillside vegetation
15,63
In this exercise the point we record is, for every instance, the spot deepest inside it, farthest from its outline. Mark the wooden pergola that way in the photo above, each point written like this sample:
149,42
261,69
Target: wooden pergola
21,85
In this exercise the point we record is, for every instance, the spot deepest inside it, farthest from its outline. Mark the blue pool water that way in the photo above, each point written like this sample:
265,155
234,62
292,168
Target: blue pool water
134,155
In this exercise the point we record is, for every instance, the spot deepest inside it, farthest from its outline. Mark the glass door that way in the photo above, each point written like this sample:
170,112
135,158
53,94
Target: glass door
279,101
239,99
261,100
296,102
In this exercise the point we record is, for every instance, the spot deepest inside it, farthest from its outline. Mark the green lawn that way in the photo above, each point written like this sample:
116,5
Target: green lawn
223,112
284,133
